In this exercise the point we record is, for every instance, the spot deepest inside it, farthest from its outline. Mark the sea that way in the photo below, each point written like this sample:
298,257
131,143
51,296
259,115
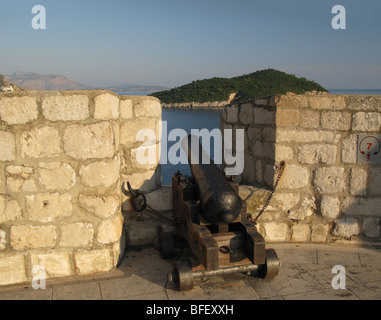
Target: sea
188,119
356,91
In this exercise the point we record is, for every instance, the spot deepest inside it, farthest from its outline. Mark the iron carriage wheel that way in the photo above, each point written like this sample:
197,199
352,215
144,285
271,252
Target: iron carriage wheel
270,269
182,276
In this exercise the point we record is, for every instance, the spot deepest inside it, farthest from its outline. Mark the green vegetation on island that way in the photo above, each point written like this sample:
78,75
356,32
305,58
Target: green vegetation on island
254,85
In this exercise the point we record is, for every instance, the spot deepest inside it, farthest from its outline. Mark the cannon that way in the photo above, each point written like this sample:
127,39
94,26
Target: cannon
211,219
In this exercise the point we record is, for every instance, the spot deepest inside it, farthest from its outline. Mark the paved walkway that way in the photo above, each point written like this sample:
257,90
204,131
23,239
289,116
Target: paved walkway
305,273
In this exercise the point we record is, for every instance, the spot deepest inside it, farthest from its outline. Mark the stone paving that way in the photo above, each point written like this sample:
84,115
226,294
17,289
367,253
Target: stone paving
305,274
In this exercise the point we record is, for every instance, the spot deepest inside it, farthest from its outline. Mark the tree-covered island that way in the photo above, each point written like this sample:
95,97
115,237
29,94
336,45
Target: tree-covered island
254,85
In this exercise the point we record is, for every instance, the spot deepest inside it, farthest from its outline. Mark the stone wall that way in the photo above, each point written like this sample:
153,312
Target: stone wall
324,194
63,157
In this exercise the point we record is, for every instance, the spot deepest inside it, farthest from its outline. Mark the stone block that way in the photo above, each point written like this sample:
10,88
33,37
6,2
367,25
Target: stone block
269,174
142,233
232,114
147,108
106,107
248,174
56,264
367,121
299,101
306,136
319,232
330,207
21,178
264,116
268,134
57,175
309,119
358,182
12,269
336,120
329,180
40,142
276,231
129,131
306,209
283,201
371,227
145,156
116,128
161,199
110,231
354,206
3,240
65,107
126,109
346,228
263,149
301,233
118,250
327,102
375,181
255,134
18,110
294,177
349,149
32,237
7,146
253,197
146,181
100,173
246,115
89,141
47,207
100,206
259,171
317,153
9,209
76,235
363,103
88,262
287,117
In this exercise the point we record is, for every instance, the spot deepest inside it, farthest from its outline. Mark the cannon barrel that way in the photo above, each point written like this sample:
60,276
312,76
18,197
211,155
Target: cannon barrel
220,203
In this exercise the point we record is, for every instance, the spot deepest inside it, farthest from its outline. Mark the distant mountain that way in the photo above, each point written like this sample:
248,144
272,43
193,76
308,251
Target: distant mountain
127,87
31,80
35,81
258,84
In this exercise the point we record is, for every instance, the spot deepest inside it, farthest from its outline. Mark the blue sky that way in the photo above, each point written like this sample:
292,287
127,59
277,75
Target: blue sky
173,42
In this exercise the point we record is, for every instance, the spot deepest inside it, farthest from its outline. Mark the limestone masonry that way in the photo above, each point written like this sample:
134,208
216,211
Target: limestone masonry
324,194
63,156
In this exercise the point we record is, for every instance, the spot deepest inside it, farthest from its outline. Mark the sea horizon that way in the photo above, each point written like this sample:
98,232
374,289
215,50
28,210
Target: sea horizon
356,91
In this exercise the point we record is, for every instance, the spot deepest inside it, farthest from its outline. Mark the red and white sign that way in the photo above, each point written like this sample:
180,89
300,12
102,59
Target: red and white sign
369,149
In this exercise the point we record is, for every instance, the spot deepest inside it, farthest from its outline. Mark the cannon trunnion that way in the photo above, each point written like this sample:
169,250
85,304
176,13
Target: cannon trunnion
210,218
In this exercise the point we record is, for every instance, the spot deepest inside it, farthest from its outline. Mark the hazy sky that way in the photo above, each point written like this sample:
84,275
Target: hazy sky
173,42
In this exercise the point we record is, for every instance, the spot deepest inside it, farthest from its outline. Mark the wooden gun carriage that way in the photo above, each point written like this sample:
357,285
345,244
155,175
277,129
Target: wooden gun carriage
211,218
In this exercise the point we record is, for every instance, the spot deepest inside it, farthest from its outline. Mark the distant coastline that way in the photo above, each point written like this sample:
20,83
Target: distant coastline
184,105
196,105
132,93
221,104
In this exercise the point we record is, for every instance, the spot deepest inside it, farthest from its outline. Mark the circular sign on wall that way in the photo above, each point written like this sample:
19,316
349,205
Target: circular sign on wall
369,149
